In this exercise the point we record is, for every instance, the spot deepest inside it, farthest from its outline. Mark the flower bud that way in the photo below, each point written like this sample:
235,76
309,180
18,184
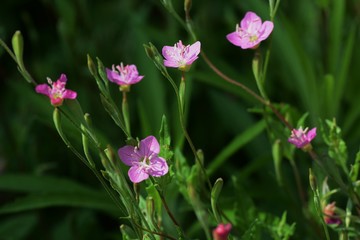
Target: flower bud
222,231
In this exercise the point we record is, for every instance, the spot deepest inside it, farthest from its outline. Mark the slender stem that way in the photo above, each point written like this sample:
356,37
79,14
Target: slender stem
3,44
91,167
298,182
152,232
173,219
181,103
125,112
248,90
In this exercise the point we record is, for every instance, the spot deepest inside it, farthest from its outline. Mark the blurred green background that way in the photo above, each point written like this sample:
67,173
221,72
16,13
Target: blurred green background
313,67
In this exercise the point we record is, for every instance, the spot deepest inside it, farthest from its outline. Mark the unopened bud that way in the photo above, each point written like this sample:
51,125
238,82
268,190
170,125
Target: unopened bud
312,180
222,231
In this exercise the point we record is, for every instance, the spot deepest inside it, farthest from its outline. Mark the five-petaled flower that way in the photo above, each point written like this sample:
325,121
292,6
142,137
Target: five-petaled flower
250,32
301,138
143,160
222,231
329,211
181,56
56,91
123,75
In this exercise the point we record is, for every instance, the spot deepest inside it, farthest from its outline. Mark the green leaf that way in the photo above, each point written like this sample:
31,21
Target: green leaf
165,140
152,192
354,173
277,157
215,193
18,227
37,184
18,47
239,141
95,200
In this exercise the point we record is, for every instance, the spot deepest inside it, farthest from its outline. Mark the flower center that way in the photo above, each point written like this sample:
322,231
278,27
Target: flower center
253,38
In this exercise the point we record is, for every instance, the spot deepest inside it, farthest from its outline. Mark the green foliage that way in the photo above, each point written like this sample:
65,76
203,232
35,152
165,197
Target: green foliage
308,69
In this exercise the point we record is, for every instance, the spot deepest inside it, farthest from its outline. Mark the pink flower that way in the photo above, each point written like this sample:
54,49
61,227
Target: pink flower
56,91
222,231
180,56
144,160
121,75
329,211
251,31
300,138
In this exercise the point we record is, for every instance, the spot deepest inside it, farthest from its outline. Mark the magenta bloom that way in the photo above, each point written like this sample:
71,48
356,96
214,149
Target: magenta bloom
56,91
121,75
180,56
251,31
222,231
300,138
144,160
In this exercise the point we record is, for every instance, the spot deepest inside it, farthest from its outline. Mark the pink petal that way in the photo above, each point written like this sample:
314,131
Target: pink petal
245,43
62,78
137,174
311,134
167,52
113,76
194,51
128,155
148,146
171,63
158,167
234,38
250,20
265,30
43,89
69,94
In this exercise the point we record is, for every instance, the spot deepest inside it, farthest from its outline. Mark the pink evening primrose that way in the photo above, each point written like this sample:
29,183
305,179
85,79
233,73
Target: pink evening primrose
56,91
123,75
181,56
222,231
301,138
250,32
144,160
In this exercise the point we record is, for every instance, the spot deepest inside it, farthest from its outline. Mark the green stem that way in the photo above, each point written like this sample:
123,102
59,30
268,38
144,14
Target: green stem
91,167
125,112
298,182
181,103
248,90
3,44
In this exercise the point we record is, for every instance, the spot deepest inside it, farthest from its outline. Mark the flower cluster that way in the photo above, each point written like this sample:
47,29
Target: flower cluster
56,91
250,32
